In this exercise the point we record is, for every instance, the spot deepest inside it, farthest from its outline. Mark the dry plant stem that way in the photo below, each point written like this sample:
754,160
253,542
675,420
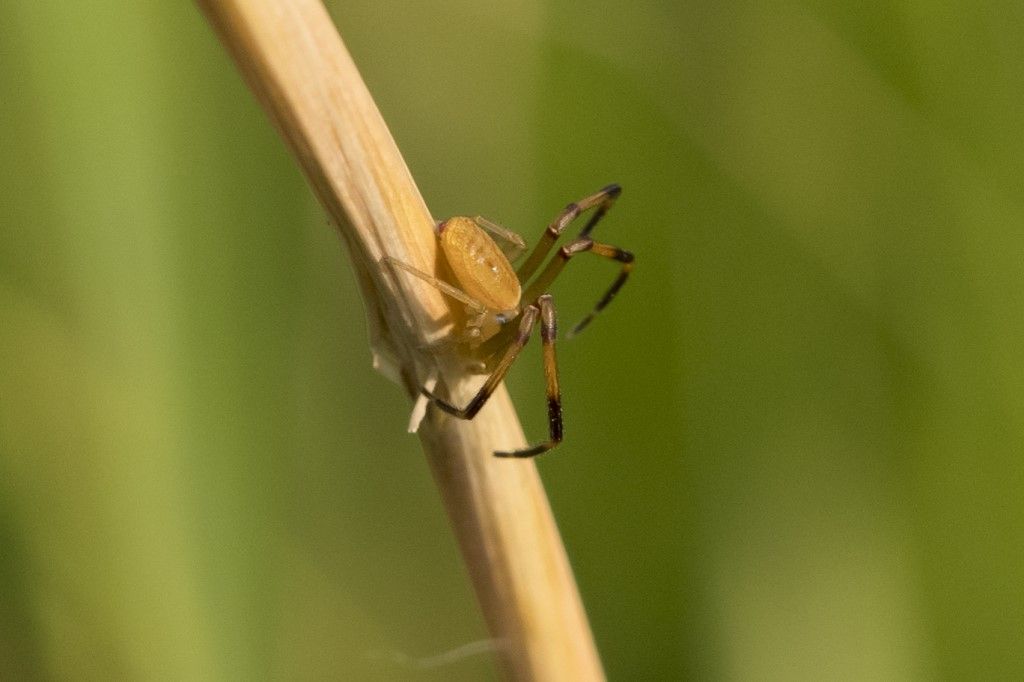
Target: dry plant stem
294,60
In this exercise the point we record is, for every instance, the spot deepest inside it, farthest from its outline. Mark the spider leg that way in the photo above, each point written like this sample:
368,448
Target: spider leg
529,317
617,254
547,335
511,243
604,200
581,245
443,287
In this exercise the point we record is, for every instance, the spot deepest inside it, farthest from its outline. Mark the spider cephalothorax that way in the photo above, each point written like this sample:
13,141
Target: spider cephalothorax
502,305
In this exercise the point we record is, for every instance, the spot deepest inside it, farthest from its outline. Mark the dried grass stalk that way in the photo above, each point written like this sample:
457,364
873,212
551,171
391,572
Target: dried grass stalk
293,59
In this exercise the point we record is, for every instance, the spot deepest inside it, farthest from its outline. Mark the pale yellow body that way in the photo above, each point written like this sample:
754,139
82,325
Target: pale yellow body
482,272
479,265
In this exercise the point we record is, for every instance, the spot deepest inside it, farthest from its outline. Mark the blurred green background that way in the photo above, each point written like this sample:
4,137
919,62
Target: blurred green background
794,443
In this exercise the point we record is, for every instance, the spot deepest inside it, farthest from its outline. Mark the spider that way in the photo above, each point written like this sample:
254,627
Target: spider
502,305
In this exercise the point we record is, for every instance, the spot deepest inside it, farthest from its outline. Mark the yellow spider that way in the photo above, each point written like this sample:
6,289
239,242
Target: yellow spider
486,331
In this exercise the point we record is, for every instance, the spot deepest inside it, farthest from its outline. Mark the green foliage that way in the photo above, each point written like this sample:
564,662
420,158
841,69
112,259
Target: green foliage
793,443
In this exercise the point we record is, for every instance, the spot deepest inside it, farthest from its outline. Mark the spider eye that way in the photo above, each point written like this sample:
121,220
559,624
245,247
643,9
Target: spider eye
501,318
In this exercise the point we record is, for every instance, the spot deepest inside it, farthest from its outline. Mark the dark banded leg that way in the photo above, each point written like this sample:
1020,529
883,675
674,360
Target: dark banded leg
581,245
548,332
603,200
529,317
617,254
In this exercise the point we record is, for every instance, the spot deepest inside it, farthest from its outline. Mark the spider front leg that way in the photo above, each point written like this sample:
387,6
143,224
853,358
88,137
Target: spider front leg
603,199
474,308
511,243
529,318
548,331
445,288
577,246
545,308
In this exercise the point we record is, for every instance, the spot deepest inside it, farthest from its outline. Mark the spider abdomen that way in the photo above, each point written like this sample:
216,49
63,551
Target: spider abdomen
479,265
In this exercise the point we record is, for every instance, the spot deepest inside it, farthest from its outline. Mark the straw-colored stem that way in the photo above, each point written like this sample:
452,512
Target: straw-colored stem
294,60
